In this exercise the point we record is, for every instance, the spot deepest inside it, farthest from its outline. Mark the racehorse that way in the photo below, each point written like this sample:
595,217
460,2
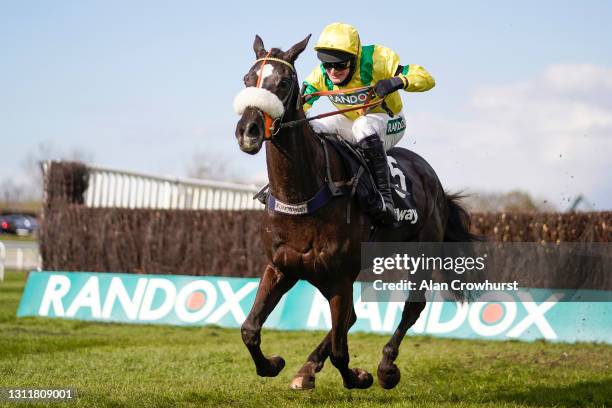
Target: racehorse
321,247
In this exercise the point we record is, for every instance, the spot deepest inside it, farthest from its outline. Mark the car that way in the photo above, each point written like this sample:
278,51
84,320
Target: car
18,224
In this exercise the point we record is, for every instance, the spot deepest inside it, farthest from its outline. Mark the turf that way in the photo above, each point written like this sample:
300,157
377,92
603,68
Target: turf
18,238
131,365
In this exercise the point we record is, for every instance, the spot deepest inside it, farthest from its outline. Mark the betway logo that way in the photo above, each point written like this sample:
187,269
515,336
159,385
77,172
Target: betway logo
483,318
409,214
194,302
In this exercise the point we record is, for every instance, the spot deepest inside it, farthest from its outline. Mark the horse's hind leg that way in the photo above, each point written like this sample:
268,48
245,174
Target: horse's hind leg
341,304
305,378
273,285
388,373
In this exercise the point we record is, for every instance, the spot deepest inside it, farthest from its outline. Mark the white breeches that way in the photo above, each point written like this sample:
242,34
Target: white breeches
390,130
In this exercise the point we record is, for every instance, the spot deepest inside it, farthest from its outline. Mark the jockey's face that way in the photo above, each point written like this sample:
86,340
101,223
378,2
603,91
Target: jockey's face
337,76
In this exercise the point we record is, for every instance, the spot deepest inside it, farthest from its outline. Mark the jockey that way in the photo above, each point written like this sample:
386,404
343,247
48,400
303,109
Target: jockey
346,64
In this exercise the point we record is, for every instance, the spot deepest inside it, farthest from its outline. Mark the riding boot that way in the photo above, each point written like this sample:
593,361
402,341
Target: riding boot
383,211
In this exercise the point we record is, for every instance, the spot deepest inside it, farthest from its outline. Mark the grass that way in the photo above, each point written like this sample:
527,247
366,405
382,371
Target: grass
118,365
18,238
29,206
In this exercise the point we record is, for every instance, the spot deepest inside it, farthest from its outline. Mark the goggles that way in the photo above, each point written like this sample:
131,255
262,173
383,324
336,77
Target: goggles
338,66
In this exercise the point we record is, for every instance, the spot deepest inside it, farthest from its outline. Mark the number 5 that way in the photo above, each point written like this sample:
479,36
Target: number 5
394,170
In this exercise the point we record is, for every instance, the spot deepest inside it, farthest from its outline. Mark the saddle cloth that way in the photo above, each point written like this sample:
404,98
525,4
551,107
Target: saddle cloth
356,165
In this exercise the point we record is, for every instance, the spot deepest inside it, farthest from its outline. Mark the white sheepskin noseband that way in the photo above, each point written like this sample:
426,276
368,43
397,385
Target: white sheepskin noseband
259,98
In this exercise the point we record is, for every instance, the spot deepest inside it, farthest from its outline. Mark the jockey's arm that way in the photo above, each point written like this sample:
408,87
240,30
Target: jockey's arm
392,76
415,78
308,100
311,84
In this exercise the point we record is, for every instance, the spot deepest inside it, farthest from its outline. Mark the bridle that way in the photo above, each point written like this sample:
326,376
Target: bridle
273,126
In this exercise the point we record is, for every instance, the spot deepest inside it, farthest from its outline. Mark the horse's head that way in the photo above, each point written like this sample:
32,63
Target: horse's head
271,90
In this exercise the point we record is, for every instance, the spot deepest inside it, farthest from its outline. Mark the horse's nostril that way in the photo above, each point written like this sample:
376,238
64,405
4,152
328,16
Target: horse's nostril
252,130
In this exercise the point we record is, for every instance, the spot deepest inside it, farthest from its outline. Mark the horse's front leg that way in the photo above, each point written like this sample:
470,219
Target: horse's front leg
341,304
305,378
273,285
388,374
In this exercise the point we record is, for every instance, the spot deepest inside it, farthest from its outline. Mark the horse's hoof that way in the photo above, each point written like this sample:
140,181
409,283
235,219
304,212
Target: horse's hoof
361,380
303,382
388,376
276,364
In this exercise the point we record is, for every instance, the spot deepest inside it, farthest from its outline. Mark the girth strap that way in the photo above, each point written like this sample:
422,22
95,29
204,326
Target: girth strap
326,193
335,191
322,197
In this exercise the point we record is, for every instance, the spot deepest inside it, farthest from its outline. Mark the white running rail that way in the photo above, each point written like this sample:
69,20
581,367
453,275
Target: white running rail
112,188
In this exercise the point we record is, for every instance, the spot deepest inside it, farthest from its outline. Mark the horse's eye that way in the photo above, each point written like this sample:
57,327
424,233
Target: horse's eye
284,83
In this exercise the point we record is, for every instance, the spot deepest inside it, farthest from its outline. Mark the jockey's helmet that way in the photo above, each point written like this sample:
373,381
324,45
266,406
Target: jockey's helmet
338,42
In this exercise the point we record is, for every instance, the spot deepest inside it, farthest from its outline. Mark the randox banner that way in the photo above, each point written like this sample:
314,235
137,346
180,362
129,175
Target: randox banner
197,301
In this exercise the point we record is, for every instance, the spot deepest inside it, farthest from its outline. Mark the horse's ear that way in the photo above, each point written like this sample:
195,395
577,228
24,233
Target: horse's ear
292,53
258,47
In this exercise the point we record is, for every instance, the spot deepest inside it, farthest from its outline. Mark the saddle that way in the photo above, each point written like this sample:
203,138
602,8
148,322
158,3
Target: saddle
361,183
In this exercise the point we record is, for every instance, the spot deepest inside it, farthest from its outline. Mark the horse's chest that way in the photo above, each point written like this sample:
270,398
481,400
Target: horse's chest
297,261
301,252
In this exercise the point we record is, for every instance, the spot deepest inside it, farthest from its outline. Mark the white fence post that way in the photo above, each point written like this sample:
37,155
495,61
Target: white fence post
127,189
2,258
20,259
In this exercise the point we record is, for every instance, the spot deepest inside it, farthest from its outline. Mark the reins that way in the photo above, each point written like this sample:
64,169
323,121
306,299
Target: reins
363,107
273,126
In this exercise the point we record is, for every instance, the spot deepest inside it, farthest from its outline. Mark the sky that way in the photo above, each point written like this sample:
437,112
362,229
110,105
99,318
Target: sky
523,96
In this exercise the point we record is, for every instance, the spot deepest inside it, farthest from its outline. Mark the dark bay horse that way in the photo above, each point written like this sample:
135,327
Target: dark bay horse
322,247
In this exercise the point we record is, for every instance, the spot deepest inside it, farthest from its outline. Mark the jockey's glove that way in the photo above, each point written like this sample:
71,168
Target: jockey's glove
385,87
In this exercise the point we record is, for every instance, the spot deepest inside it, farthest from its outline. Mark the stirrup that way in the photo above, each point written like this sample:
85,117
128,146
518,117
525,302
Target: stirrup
388,216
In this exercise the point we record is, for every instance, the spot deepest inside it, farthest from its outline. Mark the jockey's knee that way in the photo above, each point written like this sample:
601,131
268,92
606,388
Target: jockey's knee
364,127
392,140
319,126
338,125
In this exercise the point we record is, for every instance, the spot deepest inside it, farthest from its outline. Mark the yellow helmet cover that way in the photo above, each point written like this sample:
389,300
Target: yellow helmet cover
340,37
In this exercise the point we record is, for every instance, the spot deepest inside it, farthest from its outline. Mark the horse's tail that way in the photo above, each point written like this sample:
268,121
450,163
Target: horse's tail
458,230
458,221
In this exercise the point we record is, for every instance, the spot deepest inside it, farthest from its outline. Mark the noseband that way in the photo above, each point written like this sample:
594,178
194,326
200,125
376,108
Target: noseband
273,126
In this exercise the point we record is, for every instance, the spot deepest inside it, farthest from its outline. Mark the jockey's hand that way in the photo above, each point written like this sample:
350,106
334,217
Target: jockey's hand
385,87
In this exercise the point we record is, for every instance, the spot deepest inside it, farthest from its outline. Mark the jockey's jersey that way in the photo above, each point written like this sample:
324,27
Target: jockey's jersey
374,63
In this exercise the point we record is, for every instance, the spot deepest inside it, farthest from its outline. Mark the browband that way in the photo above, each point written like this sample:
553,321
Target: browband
275,59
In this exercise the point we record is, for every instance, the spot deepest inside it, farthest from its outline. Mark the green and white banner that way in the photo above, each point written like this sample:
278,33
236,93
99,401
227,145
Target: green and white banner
198,301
